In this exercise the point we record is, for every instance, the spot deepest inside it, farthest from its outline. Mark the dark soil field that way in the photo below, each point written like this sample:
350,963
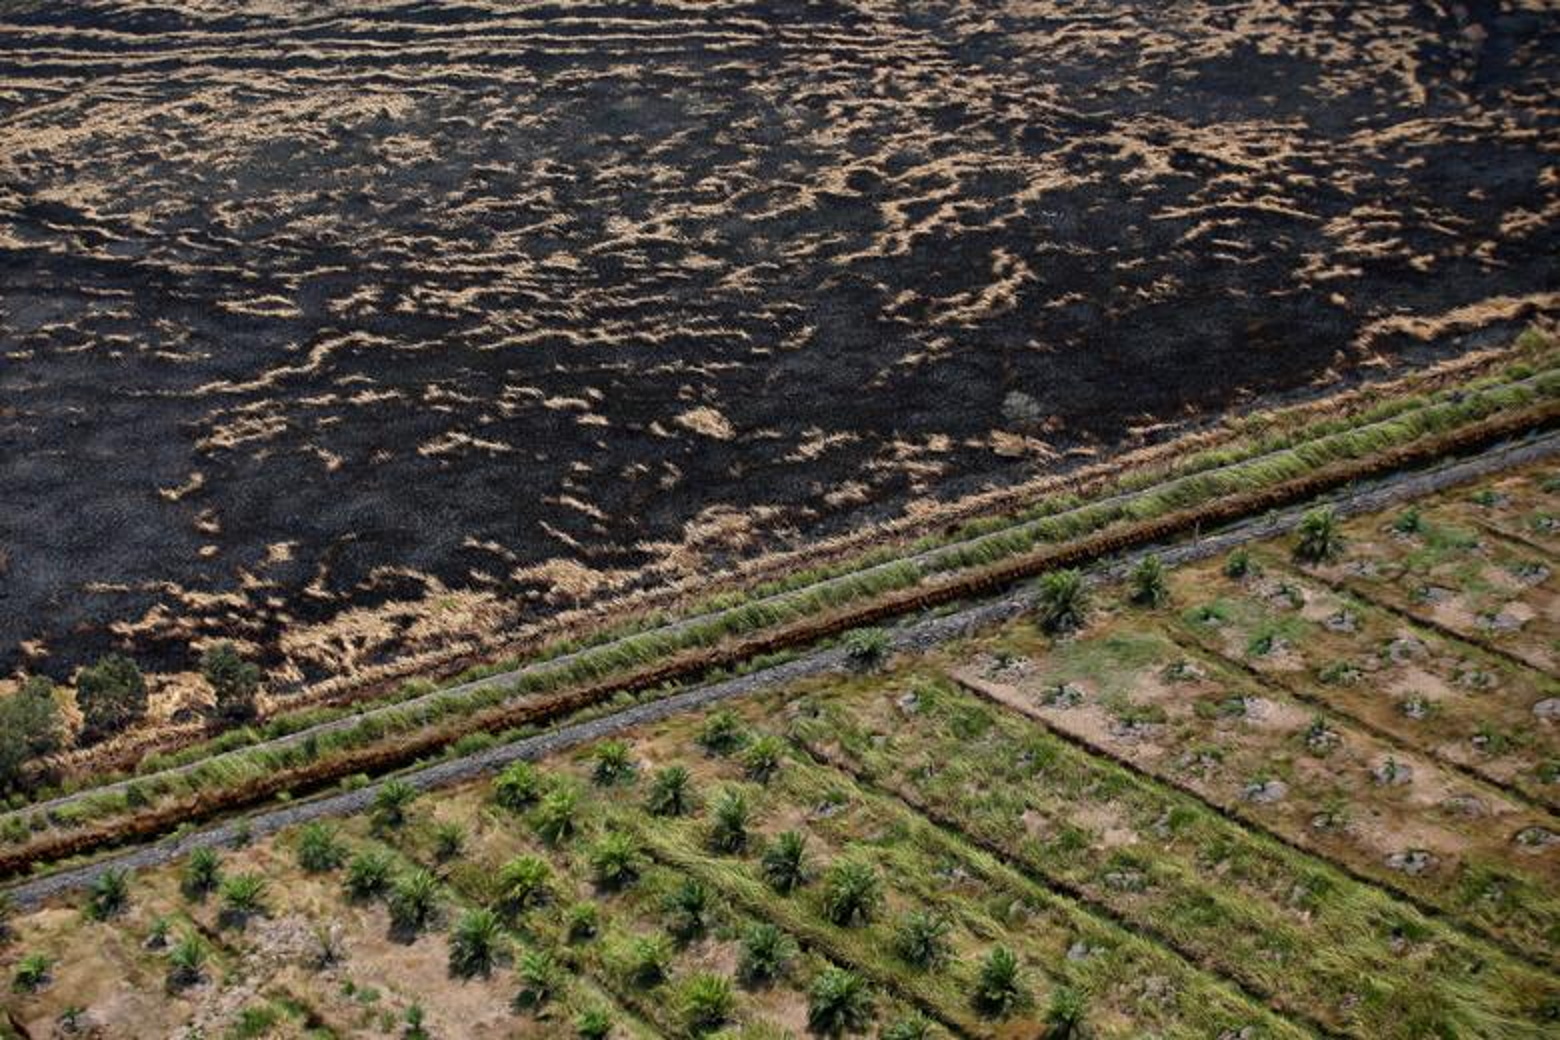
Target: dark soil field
343,329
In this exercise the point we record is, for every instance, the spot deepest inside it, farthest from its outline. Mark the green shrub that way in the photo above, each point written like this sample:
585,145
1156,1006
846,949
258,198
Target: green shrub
32,973
687,910
1063,602
614,763
518,786
1064,1014
449,840
540,979
368,874
319,848
615,861
766,954
784,863
912,1028
233,680
921,939
838,1001
524,882
414,898
1147,583
29,728
202,872
762,758
852,893
392,801
582,921
187,961
474,944
867,648
999,987
243,896
722,733
705,1002
554,817
728,825
1319,537
1238,564
593,1024
108,894
671,793
111,695
649,960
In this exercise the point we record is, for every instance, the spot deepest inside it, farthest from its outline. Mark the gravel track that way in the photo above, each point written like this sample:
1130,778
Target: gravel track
910,636
930,559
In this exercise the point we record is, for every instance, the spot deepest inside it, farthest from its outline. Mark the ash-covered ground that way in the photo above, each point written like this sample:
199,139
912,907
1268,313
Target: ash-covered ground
344,328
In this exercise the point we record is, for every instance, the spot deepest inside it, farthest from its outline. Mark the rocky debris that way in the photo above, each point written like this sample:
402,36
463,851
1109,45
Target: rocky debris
1500,621
1393,773
1320,739
1286,596
1433,594
1133,730
1472,677
1062,695
1403,649
1536,839
1416,708
1413,862
1531,573
1184,671
1079,951
1243,1033
1327,821
1126,880
1265,792
1343,621
1548,709
908,703
1361,569
1465,805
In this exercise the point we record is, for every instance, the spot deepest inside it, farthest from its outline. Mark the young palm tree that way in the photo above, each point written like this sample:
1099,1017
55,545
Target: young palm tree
474,944
921,940
999,989
867,648
414,898
243,896
852,893
540,979
1063,602
687,909
368,874
838,1002
784,863
32,973
518,786
524,882
582,921
728,829
649,960
202,872
614,763
671,793
1148,587
706,1002
766,954
1319,536
912,1028
449,840
763,758
554,818
1064,1015
593,1024
722,733
615,861
319,848
187,961
392,801
108,895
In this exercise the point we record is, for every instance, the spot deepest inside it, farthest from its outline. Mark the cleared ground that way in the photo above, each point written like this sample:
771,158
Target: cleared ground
349,328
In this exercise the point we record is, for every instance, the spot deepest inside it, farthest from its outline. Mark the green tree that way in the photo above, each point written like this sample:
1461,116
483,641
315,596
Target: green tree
414,898
838,1001
449,840
1320,537
784,863
319,848
1148,587
368,874
593,1024
728,828
999,987
671,792
29,727
705,1002
852,893
649,960
111,695
766,954
613,763
1063,602
540,979
554,817
474,944
518,786
233,680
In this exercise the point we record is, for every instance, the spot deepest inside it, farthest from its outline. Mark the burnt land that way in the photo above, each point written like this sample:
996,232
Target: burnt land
340,328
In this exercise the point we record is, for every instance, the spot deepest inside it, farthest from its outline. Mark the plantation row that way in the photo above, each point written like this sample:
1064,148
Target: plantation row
424,724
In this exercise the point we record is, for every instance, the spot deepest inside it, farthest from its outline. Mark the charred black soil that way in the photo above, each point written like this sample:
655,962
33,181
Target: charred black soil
341,328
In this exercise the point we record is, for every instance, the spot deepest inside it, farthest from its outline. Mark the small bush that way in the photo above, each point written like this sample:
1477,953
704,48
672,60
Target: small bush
583,921
368,874
838,1001
1147,584
524,882
867,648
243,896
705,1002
449,840
32,973
784,863
913,1028
540,979
687,909
722,733
554,818
1062,604
921,940
766,954
414,898
1064,1014
319,848
202,872
111,695
108,895
233,680
474,944
728,826
999,989
518,786
852,893
763,758
593,1024
29,727
615,861
391,803
187,961
613,763
671,793
649,960
1319,537
1238,564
